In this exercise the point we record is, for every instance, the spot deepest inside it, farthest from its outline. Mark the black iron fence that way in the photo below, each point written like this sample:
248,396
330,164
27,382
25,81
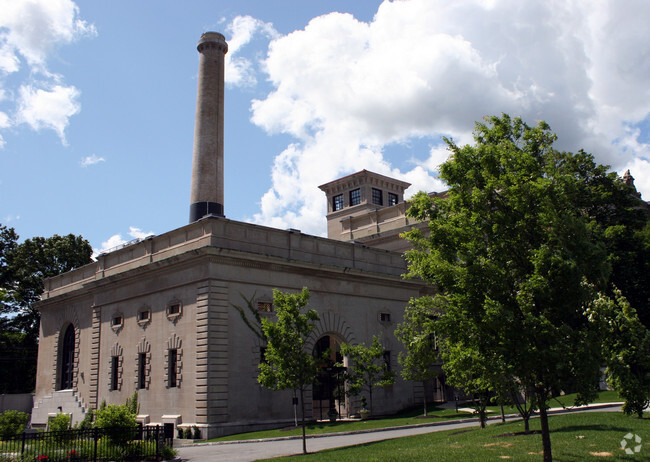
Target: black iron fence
141,443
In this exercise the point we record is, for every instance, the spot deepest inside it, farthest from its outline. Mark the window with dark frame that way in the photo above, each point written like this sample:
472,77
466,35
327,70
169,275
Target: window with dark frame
143,315
266,307
387,359
142,371
171,368
384,317
115,364
337,202
117,321
175,308
355,197
392,199
377,196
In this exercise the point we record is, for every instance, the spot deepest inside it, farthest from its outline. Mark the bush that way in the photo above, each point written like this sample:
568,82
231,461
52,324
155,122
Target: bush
179,433
118,422
59,423
167,452
197,432
12,423
187,433
87,422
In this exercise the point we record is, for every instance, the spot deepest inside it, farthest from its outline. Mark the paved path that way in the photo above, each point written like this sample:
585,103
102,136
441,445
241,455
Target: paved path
263,449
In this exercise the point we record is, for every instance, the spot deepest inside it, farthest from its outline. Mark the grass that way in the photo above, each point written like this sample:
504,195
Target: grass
574,437
410,416
407,417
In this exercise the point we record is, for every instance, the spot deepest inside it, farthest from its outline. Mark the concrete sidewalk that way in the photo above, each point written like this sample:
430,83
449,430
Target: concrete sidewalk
250,450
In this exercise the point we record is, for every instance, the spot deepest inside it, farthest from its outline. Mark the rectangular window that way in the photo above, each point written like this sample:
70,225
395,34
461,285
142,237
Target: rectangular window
117,321
387,359
142,371
115,364
175,308
143,316
355,197
377,196
171,368
266,307
392,199
337,202
384,317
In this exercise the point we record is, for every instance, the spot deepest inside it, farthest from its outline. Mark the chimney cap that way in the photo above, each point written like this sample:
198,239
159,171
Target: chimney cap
213,37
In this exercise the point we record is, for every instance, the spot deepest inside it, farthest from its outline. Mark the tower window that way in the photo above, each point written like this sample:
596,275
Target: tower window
355,197
377,196
392,199
337,202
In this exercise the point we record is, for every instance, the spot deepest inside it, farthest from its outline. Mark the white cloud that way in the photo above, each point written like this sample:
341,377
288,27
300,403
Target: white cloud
240,71
32,28
116,241
48,108
30,32
344,89
91,160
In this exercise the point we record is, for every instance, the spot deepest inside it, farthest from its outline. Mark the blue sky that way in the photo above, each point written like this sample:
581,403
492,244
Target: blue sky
97,100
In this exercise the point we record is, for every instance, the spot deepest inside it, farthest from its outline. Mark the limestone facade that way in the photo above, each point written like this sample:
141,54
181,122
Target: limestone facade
157,316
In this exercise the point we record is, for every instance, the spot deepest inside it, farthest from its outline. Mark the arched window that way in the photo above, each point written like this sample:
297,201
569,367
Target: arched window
67,358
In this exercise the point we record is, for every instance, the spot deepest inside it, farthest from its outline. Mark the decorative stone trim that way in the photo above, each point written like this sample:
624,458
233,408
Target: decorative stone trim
330,323
116,351
144,316
117,322
174,310
143,348
174,343
69,317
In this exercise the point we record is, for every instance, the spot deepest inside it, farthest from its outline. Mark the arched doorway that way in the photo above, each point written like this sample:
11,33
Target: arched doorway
67,358
328,391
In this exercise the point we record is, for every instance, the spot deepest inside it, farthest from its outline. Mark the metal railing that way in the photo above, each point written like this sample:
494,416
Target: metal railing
141,443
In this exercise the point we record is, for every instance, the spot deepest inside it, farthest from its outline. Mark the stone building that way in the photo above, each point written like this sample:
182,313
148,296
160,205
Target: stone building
157,315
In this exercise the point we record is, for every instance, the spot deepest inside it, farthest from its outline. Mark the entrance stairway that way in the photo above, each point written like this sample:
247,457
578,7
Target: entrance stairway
65,401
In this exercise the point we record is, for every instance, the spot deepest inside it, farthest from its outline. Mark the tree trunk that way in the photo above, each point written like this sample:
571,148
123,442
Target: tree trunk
546,433
503,414
302,408
424,385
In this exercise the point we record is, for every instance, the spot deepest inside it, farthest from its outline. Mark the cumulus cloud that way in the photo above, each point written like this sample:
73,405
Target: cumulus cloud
30,31
240,71
48,108
345,89
91,160
117,240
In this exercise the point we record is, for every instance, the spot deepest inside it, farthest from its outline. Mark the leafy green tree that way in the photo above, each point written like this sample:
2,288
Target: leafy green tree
367,367
287,365
29,264
627,348
12,423
509,249
417,333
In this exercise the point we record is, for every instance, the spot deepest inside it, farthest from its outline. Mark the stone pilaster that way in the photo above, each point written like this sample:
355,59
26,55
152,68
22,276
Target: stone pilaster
94,356
212,353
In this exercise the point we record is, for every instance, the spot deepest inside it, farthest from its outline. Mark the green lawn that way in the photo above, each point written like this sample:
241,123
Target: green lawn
574,437
408,417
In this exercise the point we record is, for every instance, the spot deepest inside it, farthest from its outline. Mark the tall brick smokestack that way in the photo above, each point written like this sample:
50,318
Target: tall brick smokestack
206,197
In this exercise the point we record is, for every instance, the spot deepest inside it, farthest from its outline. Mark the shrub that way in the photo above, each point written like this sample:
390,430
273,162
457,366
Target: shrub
12,423
167,452
118,422
87,422
59,423
179,432
197,432
187,433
